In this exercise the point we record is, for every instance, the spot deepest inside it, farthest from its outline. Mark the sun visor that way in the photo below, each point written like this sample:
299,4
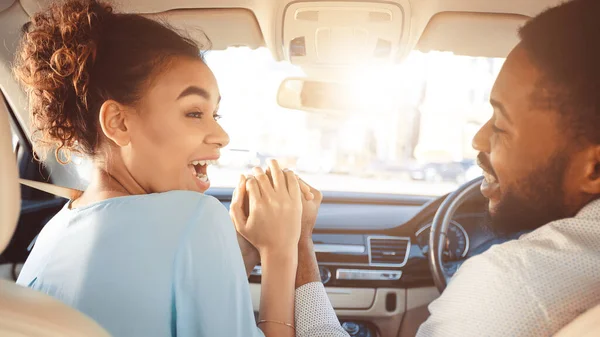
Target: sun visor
5,4
472,34
325,33
223,27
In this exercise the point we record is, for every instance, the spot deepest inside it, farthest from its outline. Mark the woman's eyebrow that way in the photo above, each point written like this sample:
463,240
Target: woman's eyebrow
194,90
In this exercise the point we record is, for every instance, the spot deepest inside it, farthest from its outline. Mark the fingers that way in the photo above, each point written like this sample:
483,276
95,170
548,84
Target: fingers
236,209
279,181
317,195
236,192
263,182
243,197
254,191
276,180
268,172
293,185
306,190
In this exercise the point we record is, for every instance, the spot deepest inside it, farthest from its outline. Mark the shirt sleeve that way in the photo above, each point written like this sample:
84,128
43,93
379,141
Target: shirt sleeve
315,316
486,297
211,295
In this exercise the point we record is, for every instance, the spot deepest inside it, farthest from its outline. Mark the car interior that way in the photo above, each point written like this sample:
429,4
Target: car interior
384,255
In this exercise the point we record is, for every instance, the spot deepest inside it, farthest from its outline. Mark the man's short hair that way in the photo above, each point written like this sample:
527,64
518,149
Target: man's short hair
564,44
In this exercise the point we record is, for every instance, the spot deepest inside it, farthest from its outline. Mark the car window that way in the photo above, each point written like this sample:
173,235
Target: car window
15,138
416,139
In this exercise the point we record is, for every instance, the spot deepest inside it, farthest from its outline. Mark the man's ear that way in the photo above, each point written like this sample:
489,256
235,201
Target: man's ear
113,122
591,179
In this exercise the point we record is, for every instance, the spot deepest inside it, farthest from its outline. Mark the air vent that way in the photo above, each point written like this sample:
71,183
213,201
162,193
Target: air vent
388,251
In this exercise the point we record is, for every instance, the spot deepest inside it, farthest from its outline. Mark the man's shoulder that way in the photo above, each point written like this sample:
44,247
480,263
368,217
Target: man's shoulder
486,295
530,286
494,267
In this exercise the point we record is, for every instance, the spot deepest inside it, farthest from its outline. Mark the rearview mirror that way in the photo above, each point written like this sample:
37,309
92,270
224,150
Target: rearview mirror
329,97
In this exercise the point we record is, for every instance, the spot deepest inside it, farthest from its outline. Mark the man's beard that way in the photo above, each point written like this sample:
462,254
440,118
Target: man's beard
539,200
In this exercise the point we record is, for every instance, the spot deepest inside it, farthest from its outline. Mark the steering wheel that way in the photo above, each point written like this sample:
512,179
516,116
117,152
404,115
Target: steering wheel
439,228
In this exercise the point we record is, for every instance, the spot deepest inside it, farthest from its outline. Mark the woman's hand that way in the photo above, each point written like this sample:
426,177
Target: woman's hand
249,253
239,194
275,210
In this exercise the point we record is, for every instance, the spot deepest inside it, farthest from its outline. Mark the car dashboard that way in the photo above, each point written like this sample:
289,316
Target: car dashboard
372,253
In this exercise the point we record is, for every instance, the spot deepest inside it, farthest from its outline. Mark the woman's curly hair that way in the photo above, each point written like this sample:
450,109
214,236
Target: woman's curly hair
77,54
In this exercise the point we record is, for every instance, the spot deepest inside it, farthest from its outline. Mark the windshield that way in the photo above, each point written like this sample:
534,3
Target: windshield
415,140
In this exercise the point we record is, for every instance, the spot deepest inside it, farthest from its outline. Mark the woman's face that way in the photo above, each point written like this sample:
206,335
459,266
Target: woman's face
174,134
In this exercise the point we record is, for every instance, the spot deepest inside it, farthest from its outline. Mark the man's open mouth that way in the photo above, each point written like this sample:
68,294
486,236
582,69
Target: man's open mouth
488,172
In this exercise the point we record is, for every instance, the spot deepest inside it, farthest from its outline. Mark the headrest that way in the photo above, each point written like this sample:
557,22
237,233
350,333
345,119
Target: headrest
10,193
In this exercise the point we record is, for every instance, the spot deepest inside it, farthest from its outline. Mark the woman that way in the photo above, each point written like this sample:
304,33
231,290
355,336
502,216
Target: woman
142,251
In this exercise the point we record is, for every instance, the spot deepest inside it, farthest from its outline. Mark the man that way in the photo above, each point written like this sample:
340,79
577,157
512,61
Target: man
541,156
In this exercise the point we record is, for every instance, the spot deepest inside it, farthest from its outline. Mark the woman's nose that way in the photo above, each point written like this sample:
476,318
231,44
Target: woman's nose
217,136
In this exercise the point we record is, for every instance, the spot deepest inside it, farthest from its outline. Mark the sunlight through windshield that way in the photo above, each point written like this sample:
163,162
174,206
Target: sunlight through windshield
416,139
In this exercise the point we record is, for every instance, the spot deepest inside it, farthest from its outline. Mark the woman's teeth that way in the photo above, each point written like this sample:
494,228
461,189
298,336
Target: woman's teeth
205,162
200,169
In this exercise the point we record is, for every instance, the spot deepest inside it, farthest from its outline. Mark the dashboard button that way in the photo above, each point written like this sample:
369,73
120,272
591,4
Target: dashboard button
325,274
351,328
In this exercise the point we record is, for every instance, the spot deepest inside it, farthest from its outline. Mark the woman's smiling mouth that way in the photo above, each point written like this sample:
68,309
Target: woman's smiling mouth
199,169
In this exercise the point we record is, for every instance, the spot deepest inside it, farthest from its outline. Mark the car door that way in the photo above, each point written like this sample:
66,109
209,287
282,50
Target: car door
37,207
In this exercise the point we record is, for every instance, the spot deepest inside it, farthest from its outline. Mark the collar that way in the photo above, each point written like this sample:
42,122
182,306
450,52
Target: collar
591,210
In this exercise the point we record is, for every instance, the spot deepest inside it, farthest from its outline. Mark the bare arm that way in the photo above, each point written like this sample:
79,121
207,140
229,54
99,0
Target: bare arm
308,268
273,227
277,293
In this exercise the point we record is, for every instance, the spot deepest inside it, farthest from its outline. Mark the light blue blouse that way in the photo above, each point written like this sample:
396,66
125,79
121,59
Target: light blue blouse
165,264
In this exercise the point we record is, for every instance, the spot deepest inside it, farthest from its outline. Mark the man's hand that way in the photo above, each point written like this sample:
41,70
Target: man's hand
310,208
308,268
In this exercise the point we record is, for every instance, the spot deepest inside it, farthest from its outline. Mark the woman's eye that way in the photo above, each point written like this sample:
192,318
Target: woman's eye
196,114
217,117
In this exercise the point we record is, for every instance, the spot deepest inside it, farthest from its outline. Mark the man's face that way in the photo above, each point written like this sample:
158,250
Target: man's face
523,152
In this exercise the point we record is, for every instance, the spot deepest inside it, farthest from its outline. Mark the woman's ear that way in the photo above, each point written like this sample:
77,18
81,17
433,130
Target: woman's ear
113,122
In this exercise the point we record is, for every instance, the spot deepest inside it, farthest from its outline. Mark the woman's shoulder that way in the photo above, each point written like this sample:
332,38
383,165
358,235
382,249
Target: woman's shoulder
188,203
175,204
195,203
182,197
179,198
